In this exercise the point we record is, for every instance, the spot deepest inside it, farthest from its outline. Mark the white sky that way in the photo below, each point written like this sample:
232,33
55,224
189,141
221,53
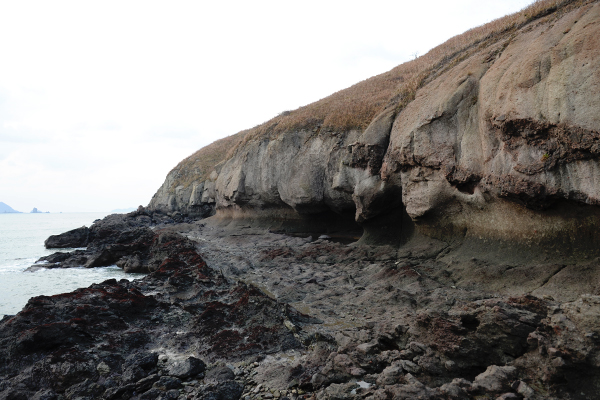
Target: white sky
100,99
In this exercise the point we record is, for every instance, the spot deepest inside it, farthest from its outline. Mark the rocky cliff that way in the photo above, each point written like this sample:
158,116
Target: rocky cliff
494,135
471,174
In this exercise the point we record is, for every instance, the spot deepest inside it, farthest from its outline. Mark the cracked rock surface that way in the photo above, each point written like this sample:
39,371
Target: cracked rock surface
239,312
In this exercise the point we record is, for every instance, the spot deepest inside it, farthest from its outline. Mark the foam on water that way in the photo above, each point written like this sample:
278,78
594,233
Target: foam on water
22,243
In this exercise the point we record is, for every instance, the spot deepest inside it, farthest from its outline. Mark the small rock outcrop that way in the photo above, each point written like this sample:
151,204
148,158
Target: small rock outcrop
78,237
125,240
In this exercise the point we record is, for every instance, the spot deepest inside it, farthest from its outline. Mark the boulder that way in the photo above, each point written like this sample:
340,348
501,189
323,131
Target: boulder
219,374
186,368
495,379
228,390
78,237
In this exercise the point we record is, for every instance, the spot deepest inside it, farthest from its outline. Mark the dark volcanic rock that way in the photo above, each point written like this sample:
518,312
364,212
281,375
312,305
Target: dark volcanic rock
220,374
108,337
189,367
145,384
167,383
84,390
392,319
121,239
45,394
74,238
228,390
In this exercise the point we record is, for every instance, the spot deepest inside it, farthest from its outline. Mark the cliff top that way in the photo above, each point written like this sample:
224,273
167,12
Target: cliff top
355,107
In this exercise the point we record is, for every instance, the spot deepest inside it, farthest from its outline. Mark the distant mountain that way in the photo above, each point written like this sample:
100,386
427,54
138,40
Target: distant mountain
123,210
5,208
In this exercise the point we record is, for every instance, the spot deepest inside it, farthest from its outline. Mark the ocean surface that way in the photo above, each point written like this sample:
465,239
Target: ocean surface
22,243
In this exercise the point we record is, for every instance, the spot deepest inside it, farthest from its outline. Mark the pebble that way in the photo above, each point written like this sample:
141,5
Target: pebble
103,368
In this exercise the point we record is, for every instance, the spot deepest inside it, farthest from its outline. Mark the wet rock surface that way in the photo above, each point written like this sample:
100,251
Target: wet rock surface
271,316
412,321
150,338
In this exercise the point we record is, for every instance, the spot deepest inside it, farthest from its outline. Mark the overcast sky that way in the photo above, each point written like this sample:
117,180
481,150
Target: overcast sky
100,99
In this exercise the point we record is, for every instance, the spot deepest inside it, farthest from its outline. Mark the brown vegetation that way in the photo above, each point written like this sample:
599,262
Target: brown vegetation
199,165
356,106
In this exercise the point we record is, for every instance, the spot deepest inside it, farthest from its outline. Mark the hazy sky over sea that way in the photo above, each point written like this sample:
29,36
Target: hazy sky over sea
99,100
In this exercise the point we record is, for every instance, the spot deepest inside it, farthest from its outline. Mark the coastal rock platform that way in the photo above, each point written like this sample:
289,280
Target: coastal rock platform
235,311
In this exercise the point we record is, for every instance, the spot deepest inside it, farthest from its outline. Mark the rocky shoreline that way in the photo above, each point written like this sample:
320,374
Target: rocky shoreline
471,176
233,311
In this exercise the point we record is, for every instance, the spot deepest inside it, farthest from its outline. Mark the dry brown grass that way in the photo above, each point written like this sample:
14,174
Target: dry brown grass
356,106
198,166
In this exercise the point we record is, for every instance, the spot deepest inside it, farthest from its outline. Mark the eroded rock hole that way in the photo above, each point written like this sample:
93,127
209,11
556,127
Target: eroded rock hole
470,322
327,226
387,343
467,187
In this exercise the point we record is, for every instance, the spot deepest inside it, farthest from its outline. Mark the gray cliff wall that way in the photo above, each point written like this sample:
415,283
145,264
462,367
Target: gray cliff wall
506,144
501,143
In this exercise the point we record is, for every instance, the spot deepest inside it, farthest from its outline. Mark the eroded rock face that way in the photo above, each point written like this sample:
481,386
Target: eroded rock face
517,126
488,177
501,143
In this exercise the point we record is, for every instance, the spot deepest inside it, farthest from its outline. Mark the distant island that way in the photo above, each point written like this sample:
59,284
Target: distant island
5,208
36,211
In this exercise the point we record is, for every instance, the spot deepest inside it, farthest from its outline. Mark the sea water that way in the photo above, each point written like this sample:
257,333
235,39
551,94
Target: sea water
22,244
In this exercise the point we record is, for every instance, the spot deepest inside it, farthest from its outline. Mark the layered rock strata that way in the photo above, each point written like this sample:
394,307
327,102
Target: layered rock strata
499,142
